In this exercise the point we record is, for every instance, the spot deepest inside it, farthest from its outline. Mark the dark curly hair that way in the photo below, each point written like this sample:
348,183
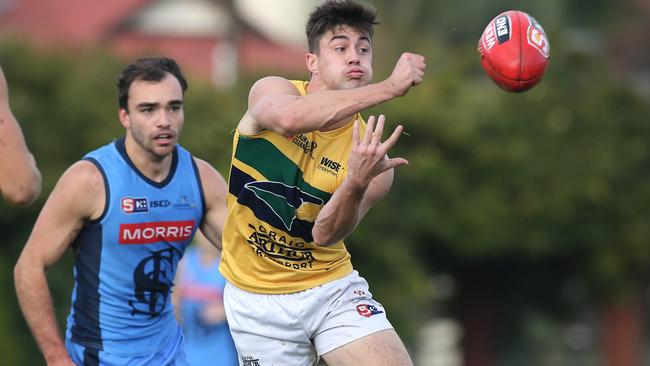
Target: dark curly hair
147,69
336,13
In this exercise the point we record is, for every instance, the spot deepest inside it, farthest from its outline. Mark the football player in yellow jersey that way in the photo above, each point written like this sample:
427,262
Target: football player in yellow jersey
305,170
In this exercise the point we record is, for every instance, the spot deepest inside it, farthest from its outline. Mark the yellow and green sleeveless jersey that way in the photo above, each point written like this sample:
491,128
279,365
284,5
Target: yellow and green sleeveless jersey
277,187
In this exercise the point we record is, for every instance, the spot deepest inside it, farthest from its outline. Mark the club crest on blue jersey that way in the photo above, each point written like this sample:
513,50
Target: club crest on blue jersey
153,277
368,310
134,205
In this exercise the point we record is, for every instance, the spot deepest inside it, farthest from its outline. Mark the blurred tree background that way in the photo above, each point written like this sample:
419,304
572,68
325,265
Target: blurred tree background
522,217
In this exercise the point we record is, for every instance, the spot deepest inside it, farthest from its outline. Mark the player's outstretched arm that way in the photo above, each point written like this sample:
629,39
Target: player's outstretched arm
78,196
20,180
275,104
214,191
370,176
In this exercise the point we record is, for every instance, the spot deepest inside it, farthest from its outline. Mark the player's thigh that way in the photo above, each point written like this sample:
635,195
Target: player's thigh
383,348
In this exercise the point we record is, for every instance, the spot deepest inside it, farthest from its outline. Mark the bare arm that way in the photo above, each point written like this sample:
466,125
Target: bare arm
77,197
20,180
214,189
275,104
370,176
178,290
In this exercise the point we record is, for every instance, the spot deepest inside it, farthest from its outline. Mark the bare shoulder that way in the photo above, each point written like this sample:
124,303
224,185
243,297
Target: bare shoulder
265,98
84,172
77,197
271,85
206,170
81,189
214,192
213,183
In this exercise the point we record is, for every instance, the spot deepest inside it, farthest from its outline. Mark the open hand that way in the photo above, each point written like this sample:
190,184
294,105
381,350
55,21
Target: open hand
368,157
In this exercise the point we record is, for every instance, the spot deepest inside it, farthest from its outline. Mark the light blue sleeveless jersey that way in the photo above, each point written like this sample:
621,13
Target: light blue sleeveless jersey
125,261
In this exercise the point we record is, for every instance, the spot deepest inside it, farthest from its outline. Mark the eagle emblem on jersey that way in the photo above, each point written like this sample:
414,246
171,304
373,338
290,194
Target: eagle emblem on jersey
286,203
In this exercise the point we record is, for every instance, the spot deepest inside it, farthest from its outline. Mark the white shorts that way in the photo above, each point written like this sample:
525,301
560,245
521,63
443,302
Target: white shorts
297,328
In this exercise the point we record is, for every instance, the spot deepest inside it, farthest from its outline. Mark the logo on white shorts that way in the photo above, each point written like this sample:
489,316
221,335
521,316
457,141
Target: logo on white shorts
250,361
368,310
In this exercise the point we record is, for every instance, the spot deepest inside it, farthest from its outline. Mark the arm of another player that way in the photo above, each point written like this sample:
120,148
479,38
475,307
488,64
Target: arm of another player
178,290
78,196
275,104
20,180
214,190
370,176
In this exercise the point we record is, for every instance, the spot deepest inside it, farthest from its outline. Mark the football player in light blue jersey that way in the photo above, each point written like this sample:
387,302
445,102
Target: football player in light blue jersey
128,210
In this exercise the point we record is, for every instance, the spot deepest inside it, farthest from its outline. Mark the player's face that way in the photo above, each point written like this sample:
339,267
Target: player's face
155,117
344,60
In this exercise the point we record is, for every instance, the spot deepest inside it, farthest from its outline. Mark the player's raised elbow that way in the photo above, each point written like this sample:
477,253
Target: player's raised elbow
20,271
322,238
288,123
283,119
23,193
28,265
322,242
284,127
292,124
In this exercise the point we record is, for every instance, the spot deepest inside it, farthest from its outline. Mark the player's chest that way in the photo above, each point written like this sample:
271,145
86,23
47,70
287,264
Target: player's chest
322,162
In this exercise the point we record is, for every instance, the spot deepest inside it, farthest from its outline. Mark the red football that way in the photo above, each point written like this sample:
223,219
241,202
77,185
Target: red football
514,51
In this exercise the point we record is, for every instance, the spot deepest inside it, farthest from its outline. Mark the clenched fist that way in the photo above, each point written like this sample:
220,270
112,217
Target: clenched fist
408,72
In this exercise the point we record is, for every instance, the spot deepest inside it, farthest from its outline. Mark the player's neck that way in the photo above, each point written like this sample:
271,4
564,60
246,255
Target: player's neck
149,164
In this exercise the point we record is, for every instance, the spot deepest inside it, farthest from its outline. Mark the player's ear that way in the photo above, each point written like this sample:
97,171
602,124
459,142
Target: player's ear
311,59
124,118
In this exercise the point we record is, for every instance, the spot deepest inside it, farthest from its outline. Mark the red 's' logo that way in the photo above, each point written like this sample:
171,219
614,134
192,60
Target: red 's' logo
133,205
152,232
